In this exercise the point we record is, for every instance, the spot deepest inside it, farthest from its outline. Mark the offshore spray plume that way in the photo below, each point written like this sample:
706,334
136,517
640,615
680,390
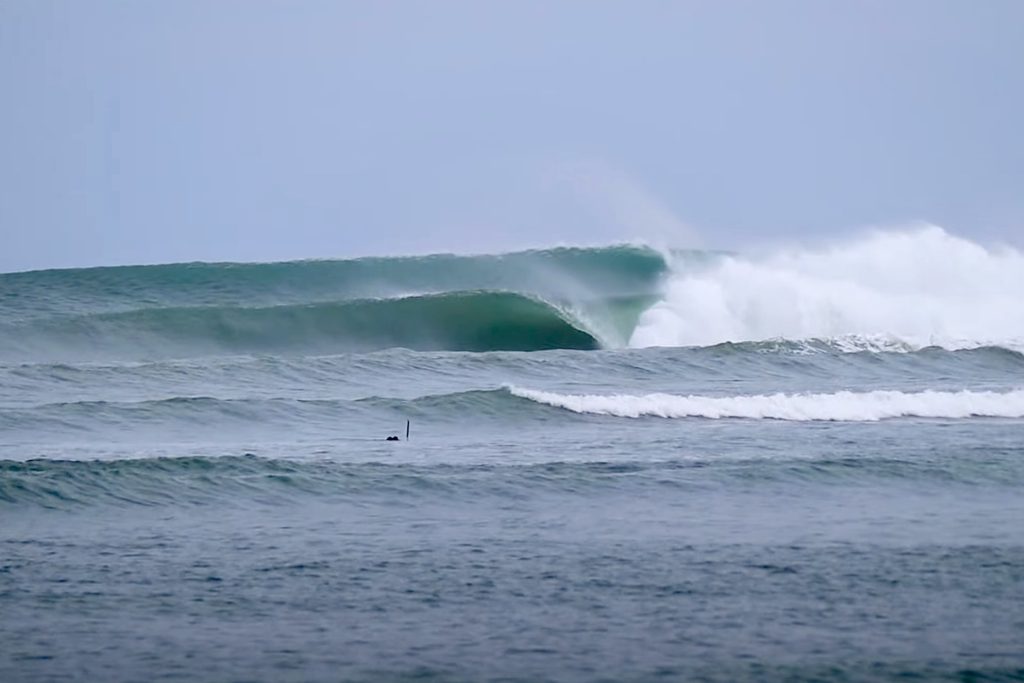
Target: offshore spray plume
623,204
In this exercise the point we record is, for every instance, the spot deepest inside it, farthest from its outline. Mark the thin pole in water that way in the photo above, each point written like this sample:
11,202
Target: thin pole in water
406,430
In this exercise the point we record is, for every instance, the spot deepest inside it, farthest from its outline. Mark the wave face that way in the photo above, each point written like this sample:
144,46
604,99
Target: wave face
892,291
572,298
461,321
245,480
844,406
888,291
204,480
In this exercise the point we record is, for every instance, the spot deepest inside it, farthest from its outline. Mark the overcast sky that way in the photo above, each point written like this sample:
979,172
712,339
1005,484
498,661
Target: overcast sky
144,131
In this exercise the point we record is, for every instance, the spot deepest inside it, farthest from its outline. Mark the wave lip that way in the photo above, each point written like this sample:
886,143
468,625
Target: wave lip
842,406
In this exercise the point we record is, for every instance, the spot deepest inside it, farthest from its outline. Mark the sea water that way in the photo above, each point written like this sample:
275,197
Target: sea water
623,464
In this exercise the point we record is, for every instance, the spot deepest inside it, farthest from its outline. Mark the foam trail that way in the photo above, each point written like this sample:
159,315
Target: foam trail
894,290
841,406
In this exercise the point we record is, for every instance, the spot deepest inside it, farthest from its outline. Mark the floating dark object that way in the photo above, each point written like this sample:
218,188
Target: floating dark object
392,438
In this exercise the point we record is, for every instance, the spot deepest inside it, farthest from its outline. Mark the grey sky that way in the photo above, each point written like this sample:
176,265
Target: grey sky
164,131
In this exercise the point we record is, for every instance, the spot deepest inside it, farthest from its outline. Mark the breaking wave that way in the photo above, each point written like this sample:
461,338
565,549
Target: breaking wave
869,406
566,298
893,291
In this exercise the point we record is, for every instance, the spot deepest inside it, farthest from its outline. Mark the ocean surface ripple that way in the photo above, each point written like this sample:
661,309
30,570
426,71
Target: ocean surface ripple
622,463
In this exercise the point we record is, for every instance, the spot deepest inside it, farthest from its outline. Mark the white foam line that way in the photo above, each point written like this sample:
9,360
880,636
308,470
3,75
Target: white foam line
840,406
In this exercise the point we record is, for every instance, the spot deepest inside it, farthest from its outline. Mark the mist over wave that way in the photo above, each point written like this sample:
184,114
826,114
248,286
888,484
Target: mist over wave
889,290
848,406
569,298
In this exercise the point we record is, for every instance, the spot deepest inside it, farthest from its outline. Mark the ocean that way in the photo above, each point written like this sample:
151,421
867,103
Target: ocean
623,463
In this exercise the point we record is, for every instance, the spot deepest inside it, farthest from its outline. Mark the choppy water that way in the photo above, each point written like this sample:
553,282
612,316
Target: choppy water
817,476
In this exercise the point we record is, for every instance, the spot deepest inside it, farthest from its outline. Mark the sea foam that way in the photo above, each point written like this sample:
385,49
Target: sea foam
894,290
849,406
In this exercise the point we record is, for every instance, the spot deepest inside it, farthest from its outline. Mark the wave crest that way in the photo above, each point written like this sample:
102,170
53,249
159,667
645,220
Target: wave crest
869,406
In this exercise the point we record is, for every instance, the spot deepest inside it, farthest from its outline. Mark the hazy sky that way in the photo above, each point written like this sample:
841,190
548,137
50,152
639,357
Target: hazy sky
145,131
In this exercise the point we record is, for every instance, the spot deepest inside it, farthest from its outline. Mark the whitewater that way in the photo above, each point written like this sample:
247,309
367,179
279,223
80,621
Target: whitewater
800,463
844,405
919,287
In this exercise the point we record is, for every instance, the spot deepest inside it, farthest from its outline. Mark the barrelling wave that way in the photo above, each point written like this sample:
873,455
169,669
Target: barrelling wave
561,298
579,464
877,294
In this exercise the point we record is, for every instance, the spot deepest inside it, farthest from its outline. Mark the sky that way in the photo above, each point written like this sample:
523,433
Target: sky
146,132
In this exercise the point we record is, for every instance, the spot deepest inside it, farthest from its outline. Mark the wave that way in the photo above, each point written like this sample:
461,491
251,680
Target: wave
560,273
454,321
228,480
191,417
571,298
206,420
245,480
869,406
239,374
888,291
205,417
283,389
